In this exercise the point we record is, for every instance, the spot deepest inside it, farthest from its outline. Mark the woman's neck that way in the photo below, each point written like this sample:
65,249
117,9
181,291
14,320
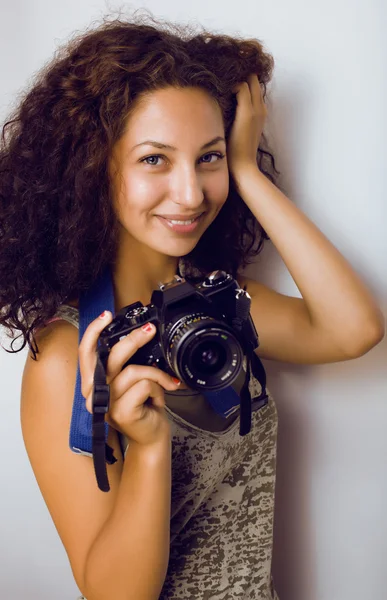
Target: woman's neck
135,279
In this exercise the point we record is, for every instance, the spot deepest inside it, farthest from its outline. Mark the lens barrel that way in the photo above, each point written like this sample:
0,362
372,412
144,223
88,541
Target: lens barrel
204,352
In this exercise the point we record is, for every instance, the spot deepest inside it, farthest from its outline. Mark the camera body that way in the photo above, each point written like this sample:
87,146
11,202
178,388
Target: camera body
203,330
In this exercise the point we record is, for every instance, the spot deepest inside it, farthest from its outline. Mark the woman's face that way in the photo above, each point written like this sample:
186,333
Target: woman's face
179,183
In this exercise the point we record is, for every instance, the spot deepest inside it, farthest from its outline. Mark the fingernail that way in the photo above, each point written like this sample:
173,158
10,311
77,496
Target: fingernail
176,381
148,327
104,314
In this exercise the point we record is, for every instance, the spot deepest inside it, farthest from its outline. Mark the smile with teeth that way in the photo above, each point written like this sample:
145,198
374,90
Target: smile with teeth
182,222
181,226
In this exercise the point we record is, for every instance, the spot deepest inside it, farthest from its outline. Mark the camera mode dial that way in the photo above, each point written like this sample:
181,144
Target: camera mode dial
138,316
215,278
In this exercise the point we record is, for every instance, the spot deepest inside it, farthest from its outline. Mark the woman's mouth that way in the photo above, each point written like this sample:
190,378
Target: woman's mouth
181,226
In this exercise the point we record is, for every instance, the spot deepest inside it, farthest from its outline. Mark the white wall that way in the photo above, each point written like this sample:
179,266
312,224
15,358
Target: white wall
327,120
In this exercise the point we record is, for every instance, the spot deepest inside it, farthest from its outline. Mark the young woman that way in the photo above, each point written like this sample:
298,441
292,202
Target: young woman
132,129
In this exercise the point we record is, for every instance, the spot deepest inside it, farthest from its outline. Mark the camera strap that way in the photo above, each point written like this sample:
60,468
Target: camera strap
92,303
89,432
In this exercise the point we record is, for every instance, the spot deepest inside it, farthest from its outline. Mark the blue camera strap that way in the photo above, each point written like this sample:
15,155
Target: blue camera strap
100,297
92,303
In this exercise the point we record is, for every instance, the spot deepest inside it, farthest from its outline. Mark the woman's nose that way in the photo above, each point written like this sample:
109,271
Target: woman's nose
188,191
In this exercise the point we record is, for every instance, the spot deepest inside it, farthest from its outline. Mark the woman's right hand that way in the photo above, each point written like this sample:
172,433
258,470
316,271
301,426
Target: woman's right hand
145,423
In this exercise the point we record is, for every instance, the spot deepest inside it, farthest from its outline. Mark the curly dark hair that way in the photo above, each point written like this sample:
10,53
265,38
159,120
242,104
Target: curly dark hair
58,230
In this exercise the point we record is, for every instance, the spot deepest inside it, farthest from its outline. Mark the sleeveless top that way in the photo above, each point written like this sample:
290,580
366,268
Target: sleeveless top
222,504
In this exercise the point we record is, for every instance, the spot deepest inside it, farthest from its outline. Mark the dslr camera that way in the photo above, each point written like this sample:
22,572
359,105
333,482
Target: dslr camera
203,330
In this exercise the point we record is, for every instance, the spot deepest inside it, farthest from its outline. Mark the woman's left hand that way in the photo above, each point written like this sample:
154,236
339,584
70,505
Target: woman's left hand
247,127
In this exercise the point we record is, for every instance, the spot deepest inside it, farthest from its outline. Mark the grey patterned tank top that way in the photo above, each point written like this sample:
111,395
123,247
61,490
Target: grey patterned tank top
222,505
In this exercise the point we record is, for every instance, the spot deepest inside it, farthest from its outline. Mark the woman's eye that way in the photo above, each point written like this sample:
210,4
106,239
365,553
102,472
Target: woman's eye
218,155
148,158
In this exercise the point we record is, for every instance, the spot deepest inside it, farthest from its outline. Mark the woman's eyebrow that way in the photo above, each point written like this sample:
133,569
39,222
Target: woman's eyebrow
161,146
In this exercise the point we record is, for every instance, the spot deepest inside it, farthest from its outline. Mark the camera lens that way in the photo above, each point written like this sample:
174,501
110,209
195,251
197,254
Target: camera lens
204,352
209,357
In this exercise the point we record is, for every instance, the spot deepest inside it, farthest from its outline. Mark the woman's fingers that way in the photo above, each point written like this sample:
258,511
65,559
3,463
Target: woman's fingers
132,406
126,348
136,373
119,379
